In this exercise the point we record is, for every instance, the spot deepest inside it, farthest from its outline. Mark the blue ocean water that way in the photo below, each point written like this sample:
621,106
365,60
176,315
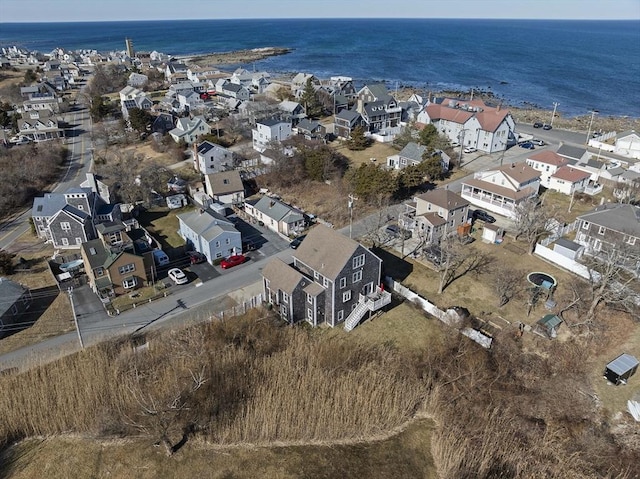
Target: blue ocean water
582,65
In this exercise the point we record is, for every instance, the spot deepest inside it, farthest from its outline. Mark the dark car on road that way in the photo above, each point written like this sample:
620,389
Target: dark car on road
196,257
527,145
297,241
546,127
537,124
395,231
484,216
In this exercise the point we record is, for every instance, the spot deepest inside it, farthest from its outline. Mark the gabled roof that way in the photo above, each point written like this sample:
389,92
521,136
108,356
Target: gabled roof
95,252
445,199
205,225
283,276
289,106
569,151
271,122
573,175
441,112
499,190
378,90
433,219
225,182
10,292
277,210
549,158
48,205
413,151
326,251
308,125
616,216
348,115
520,172
626,134
491,118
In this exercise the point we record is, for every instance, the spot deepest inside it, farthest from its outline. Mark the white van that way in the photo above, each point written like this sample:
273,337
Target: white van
160,257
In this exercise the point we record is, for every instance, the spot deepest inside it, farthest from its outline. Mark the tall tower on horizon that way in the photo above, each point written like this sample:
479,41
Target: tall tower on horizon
129,44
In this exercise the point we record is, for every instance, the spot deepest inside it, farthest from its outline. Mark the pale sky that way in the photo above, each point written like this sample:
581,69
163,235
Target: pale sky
107,10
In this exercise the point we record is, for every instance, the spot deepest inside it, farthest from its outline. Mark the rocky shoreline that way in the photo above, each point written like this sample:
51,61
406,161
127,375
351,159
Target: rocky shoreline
234,57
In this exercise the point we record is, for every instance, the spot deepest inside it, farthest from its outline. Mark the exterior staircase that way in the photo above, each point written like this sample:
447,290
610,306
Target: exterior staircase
356,315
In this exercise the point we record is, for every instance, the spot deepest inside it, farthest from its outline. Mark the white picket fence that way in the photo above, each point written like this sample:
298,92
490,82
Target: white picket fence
240,309
558,232
562,261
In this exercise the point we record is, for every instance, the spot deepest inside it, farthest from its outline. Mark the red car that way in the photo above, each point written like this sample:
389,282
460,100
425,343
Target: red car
195,257
232,261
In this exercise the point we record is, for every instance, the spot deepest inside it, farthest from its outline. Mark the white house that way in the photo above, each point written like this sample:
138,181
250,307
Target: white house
628,144
547,163
212,158
210,234
137,79
189,129
471,123
501,189
225,187
569,180
268,130
276,215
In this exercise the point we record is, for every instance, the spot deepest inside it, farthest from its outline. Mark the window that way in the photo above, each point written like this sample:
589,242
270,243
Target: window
316,275
228,241
115,238
346,296
358,261
325,282
129,283
218,255
78,240
127,268
357,276
309,313
65,242
217,244
343,283
65,226
285,297
340,315
99,271
631,240
309,299
602,230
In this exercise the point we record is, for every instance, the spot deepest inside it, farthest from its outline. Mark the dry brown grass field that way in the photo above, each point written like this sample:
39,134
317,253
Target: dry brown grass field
263,400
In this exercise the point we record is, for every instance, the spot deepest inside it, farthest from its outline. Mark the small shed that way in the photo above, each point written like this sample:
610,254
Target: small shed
568,248
549,325
492,233
177,201
621,369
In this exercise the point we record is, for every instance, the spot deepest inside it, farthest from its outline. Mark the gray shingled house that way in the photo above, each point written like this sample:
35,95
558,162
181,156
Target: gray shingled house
15,299
332,280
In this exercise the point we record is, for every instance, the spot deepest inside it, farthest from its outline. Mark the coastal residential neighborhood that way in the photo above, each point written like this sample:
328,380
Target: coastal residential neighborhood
177,192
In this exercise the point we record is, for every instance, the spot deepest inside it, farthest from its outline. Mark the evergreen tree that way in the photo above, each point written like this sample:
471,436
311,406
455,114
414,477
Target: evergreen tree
310,101
140,119
428,136
370,181
357,141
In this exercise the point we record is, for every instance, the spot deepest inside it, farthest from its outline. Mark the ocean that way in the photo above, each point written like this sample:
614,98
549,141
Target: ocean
581,65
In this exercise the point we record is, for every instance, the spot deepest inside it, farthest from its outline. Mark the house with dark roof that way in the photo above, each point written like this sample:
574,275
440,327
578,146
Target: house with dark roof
15,300
576,153
345,122
610,225
379,110
434,214
292,110
333,280
66,219
311,129
472,123
500,190
225,187
270,130
275,215
212,158
210,233
40,125
163,123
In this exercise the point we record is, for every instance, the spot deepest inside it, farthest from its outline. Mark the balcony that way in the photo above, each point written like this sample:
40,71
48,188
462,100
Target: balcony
376,300
592,189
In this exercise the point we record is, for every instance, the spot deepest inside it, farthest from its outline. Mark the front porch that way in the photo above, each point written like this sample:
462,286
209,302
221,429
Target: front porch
367,303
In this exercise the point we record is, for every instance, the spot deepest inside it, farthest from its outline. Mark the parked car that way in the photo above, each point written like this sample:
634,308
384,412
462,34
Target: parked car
484,216
433,254
470,149
195,257
537,142
527,145
297,241
160,257
546,127
232,261
455,144
537,124
177,276
394,231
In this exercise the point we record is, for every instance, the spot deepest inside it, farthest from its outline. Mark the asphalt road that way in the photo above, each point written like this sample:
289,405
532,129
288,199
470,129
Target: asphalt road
77,165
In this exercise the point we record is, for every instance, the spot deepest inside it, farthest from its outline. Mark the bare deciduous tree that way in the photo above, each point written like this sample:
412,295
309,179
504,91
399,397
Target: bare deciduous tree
532,221
456,260
507,283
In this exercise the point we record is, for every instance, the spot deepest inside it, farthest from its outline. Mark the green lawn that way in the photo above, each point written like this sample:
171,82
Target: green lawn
163,225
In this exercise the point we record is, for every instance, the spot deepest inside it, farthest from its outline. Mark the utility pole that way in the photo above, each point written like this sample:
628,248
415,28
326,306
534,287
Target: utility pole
75,318
553,115
350,205
593,113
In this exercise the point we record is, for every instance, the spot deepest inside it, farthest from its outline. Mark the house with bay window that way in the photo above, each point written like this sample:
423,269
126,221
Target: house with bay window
333,280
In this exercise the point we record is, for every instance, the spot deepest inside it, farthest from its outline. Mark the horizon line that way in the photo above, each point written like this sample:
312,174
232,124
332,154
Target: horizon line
328,18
